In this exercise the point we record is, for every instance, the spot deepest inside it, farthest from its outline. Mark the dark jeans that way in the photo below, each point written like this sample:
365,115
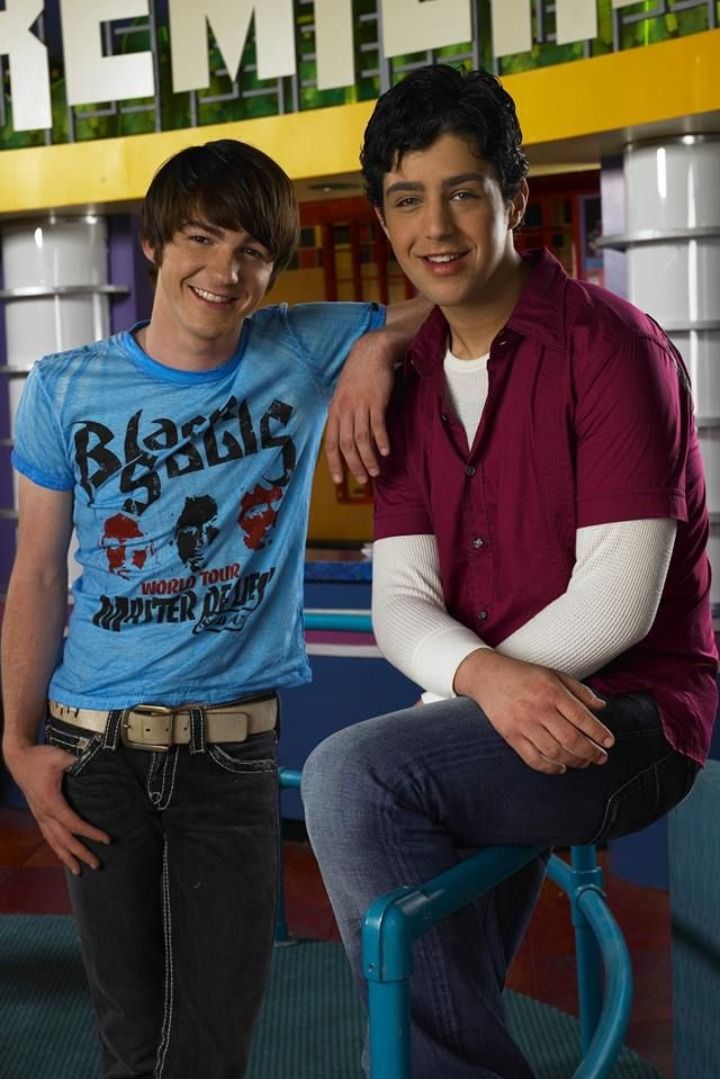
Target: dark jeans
403,797
176,927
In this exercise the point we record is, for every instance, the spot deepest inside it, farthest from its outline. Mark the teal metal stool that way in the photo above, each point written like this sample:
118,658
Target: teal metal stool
396,921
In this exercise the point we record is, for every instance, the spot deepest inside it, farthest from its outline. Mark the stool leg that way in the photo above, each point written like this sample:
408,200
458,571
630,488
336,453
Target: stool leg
586,873
282,934
287,779
389,1029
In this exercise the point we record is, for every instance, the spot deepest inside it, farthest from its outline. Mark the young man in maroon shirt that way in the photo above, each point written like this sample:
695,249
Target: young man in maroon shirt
539,568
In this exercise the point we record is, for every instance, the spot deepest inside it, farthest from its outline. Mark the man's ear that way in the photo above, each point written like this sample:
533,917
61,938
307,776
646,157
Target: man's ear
518,205
148,251
381,219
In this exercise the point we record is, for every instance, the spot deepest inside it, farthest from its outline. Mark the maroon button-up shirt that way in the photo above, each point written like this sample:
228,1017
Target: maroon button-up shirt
588,420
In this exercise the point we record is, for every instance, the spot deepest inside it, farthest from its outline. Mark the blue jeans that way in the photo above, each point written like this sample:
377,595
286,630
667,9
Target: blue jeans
176,926
400,798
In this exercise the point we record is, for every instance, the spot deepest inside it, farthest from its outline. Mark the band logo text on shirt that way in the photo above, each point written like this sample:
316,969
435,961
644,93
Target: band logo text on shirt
152,450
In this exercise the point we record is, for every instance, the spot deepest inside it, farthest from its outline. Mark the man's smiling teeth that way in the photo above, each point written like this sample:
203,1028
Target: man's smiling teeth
210,296
442,258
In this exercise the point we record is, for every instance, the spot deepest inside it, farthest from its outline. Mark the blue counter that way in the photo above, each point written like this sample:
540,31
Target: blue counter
351,680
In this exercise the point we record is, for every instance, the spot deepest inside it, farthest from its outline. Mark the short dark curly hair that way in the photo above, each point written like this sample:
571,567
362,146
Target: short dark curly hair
234,186
437,100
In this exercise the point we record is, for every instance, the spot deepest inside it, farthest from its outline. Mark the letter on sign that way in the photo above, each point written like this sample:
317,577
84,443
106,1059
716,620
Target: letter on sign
511,26
230,22
418,25
90,76
335,57
29,73
575,20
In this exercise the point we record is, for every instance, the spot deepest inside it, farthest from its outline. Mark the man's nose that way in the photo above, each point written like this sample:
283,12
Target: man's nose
227,267
438,220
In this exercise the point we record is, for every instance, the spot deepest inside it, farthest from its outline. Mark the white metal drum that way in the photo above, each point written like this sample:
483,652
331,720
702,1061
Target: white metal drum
55,251
674,185
701,351
714,556
52,270
676,282
62,261
673,244
710,449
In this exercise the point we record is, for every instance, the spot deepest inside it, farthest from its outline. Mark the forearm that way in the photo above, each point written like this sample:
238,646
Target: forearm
408,316
356,417
610,603
412,627
32,632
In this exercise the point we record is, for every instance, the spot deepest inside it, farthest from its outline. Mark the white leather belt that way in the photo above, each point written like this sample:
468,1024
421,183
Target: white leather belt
158,727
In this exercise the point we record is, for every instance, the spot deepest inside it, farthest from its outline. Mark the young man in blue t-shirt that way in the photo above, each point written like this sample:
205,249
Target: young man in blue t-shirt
182,452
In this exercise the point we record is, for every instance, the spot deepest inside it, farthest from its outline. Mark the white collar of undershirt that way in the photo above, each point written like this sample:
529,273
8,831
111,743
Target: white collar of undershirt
454,363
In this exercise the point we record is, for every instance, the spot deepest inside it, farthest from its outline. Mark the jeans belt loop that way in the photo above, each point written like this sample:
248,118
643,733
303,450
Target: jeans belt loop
111,738
198,722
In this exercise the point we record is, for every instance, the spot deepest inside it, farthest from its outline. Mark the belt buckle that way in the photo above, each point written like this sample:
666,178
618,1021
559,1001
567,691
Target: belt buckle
146,710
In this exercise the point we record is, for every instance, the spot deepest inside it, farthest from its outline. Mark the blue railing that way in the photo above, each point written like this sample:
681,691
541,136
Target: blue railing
395,922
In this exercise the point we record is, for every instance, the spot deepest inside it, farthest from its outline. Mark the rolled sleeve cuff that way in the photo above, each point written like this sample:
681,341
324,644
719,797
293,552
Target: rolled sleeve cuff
413,522
635,506
438,657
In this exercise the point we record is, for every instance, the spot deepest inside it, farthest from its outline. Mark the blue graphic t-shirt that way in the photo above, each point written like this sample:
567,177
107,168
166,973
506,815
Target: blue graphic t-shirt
191,493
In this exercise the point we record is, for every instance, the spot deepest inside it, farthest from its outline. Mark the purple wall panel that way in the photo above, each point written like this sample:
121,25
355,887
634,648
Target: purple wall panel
127,266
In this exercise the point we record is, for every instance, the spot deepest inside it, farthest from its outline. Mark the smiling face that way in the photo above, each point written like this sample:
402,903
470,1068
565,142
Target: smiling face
450,227
209,280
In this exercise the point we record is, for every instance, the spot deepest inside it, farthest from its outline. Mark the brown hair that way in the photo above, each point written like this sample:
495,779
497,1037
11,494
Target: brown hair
232,185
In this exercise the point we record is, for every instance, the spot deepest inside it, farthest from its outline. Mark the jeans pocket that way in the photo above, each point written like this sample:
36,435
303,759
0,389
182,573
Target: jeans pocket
647,796
256,754
82,744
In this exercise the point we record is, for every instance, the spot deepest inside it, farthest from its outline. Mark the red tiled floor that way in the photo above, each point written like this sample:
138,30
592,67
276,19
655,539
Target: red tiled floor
32,882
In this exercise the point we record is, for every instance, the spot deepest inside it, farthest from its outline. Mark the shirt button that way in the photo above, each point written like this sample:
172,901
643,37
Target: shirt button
470,470
482,615
478,542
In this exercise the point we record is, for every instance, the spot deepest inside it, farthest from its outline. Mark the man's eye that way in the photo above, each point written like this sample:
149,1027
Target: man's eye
407,201
461,196
198,238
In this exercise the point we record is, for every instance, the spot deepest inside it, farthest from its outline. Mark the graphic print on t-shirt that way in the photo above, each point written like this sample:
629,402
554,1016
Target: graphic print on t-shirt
204,587
258,514
118,530
157,450
195,529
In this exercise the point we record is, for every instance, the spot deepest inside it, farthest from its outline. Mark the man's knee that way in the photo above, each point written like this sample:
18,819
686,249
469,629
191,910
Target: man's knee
335,780
319,765
320,787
